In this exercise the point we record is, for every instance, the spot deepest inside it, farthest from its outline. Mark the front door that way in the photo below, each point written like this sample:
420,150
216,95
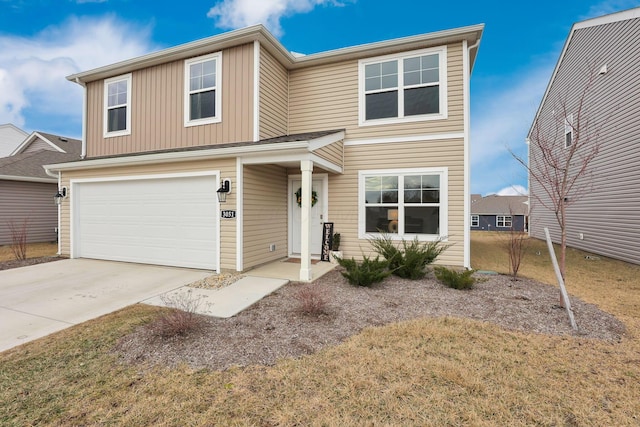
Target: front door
318,214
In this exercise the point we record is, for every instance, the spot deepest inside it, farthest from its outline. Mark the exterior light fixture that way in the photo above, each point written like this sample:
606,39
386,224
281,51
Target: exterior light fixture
61,194
224,190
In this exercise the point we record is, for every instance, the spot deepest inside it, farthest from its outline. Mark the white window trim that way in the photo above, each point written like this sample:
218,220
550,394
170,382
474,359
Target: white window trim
442,64
218,116
127,130
475,219
504,221
568,129
444,203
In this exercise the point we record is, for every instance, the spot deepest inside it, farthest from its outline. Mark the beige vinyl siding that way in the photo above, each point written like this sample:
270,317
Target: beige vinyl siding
227,168
157,109
38,144
30,201
326,97
264,214
606,210
274,96
343,189
333,153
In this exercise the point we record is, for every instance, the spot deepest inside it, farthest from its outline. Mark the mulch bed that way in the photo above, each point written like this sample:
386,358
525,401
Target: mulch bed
15,263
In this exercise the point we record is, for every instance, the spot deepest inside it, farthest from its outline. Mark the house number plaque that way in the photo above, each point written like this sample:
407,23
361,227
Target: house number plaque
227,214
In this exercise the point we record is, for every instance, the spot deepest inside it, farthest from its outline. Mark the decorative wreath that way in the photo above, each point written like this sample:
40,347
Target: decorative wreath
314,197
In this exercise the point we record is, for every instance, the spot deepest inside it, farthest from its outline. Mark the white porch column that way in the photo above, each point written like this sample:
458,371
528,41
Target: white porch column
306,167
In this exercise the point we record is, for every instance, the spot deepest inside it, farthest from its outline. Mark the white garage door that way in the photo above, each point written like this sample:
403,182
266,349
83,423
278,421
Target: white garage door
165,221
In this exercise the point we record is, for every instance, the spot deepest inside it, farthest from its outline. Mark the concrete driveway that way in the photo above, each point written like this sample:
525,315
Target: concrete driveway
40,299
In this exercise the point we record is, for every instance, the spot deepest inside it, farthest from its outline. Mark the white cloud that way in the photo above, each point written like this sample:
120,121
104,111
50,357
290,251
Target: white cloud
513,190
33,69
230,14
609,6
500,120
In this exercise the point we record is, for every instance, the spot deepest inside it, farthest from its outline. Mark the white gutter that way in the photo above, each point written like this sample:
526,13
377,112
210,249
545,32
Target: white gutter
84,117
178,156
28,179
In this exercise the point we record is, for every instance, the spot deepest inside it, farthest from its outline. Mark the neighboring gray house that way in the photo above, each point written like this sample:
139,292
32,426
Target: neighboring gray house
10,137
26,191
499,213
603,218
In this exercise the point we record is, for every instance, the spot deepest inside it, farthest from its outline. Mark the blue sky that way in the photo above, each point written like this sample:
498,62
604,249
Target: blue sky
42,41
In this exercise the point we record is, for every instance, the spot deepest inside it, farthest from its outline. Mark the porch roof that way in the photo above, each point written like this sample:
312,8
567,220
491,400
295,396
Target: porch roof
285,149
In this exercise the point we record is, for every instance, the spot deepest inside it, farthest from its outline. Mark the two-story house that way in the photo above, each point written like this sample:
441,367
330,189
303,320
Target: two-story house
593,99
370,138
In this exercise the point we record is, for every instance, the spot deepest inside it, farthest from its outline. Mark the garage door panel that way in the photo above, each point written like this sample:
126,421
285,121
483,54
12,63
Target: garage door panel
170,221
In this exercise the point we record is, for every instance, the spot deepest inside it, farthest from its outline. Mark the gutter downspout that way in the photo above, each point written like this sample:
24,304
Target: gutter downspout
84,117
467,151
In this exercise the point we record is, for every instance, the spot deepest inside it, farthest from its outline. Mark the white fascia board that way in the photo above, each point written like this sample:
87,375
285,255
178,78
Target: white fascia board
173,156
27,179
323,141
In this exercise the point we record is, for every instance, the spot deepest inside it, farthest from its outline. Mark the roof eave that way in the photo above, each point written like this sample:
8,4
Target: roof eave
260,33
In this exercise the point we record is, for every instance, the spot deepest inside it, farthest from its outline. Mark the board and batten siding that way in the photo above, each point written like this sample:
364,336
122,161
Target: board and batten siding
157,109
264,214
30,201
274,96
326,97
343,189
604,218
227,168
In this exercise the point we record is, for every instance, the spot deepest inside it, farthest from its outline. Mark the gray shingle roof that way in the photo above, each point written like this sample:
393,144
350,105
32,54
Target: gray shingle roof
500,205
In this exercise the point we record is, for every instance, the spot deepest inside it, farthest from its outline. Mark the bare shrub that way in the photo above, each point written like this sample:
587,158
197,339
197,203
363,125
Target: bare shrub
516,245
181,319
311,300
19,238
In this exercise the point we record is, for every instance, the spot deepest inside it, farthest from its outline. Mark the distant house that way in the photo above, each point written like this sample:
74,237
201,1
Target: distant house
499,213
26,191
10,137
603,218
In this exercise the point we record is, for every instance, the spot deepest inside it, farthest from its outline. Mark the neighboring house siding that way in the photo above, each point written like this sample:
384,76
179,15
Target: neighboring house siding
38,144
29,201
343,189
157,109
274,96
488,223
264,214
10,138
227,168
326,97
607,214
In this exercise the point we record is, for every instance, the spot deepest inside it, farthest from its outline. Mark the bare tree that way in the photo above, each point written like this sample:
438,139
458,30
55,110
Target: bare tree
19,238
560,157
515,244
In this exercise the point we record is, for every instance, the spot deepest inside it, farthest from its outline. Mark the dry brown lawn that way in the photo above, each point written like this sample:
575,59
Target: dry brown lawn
431,371
34,250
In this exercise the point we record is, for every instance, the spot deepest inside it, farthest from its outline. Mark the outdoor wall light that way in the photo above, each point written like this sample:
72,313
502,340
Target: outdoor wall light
61,194
224,190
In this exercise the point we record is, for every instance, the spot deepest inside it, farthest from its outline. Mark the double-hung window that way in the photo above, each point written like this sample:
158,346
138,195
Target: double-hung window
504,221
568,131
405,202
406,87
202,96
117,109
475,220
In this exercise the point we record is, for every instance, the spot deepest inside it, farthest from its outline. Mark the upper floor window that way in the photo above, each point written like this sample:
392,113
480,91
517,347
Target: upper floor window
404,202
202,90
117,110
568,131
406,87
